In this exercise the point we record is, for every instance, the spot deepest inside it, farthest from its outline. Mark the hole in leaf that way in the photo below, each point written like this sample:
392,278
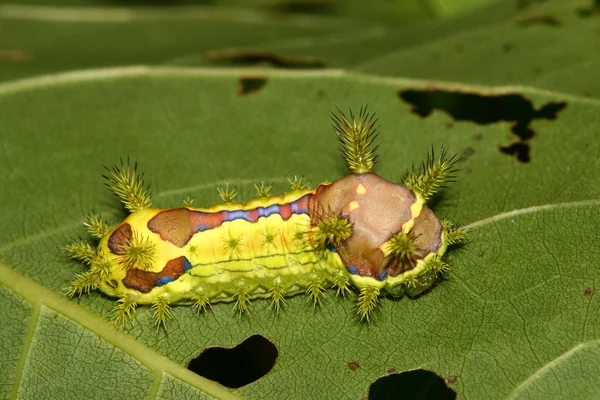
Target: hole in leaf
258,56
250,85
238,366
417,384
485,110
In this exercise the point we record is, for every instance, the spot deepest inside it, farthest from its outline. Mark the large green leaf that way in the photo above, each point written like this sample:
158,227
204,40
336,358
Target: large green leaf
516,317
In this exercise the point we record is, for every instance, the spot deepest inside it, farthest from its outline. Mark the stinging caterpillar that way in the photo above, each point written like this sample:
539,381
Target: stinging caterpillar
361,231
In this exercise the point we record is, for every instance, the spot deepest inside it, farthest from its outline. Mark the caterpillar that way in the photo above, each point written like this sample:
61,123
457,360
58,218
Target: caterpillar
362,232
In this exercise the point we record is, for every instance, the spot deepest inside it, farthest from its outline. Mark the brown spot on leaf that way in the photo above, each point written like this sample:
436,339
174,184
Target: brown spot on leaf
14,55
250,85
480,254
353,365
258,56
484,110
391,371
452,379
588,292
468,152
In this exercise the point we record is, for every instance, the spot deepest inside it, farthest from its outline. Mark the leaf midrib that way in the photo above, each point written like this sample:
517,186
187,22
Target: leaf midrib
39,296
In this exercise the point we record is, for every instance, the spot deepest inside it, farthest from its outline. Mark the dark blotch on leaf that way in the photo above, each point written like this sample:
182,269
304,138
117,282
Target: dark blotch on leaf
588,291
250,85
353,365
468,152
452,379
486,109
522,4
548,20
258,56
418,384
238,366
306,6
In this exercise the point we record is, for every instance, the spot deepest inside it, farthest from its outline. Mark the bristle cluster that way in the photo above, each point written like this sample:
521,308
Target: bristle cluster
123,311
82,284
232,245
81,251
277,296
331,231
128,185
437,265
137,252
226,193
242,300
188,201
161,311
367,302
356,133
263,190
434,174
95,226
297,184
201,301
401,248
315,291
452,232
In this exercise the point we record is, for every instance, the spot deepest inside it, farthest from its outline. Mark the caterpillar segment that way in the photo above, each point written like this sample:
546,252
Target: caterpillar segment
360,232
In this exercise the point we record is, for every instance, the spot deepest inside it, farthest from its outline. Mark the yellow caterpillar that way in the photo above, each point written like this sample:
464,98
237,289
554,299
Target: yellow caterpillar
361,231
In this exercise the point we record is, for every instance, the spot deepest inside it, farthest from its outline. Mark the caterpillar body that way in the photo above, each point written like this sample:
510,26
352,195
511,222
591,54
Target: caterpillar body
360,232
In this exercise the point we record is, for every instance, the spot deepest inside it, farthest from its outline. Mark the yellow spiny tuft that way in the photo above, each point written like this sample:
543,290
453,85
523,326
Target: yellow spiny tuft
277,296
269,239
452,232
367,302
300,237
82,284
188,202
81,251
242,300
137,252
401,248
331,231
123,311
101,266
226,194
315,291
201,302
342,284
233,245
128,185
437,265
263,190
434,174
296,183
161,311
95,226
356,134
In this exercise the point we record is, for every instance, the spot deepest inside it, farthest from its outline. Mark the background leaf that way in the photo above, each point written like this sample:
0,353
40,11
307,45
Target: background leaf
515,318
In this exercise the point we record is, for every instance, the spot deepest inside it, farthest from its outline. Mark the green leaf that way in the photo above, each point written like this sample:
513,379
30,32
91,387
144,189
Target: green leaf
517,309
